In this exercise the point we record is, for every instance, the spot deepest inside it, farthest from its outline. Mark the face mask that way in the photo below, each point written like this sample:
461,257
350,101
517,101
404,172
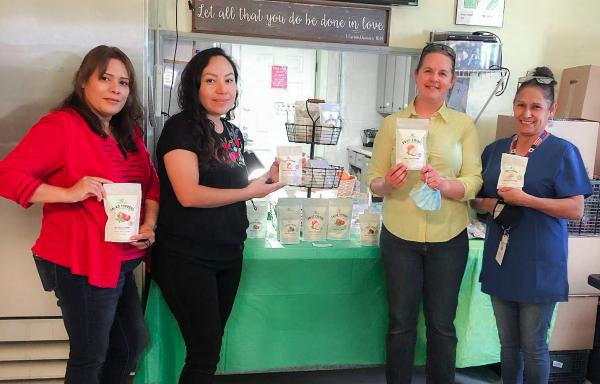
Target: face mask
426,198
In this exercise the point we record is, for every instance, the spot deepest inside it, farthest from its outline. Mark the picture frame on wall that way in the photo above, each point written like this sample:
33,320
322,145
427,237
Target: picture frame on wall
486,13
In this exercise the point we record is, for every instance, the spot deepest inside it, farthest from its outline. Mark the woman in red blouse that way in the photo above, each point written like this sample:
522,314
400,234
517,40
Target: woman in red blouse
92,139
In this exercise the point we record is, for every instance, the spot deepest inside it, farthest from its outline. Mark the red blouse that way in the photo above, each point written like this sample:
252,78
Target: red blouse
59,150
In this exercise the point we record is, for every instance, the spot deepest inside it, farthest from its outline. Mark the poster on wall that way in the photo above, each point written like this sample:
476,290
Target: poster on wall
297,20
487,13
279,76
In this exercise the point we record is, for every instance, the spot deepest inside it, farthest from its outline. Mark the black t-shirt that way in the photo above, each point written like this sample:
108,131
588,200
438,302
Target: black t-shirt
194,230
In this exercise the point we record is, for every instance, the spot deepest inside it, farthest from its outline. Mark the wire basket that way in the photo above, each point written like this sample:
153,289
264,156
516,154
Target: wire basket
303,133
568,366
589,225
324,178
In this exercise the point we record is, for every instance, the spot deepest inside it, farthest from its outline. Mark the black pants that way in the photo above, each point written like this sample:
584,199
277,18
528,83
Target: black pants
428,272
106,326
200,292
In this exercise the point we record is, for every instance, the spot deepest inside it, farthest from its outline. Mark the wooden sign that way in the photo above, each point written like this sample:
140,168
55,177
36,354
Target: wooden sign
293,20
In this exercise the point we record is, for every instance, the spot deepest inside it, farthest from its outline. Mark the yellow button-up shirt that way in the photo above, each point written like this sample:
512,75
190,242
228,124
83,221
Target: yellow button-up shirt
453,150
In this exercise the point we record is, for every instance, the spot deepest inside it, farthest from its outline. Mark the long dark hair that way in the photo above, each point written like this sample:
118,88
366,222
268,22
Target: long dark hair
542,78
206,138
129,118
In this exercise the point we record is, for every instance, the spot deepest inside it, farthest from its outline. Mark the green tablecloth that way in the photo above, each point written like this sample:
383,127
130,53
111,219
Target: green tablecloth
302,307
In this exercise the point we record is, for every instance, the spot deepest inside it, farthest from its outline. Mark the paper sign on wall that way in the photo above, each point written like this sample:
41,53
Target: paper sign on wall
279,76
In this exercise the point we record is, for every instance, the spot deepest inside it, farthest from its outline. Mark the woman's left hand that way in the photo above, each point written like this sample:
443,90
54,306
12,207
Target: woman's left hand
430,175
514,196
145,238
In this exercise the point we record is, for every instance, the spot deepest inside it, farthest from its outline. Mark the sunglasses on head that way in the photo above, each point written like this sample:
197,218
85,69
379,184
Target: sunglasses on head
539,79
437,47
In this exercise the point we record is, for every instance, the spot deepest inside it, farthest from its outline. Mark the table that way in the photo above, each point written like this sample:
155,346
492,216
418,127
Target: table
301,307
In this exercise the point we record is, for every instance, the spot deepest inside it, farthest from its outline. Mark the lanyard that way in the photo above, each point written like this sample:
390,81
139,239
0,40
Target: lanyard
536,143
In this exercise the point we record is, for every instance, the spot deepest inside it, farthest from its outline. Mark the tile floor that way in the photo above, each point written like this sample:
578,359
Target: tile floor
376,375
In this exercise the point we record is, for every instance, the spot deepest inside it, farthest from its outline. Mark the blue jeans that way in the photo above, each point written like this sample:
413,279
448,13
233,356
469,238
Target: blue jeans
523,330
106,326
433,272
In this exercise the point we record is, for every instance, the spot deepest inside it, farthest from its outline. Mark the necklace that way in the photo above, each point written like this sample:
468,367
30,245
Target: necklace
536,143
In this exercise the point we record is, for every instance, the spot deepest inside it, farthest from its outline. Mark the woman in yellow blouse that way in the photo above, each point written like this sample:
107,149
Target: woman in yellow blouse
424,248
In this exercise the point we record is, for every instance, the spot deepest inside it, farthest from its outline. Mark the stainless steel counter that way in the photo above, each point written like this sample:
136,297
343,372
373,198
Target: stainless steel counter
367,151
359,158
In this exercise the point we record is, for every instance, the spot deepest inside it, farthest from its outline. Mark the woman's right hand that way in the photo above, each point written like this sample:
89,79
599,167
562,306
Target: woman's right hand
396,176
259,187
86,187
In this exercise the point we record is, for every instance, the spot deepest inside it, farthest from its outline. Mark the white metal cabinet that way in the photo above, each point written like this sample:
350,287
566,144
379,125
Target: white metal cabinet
359,166
394,79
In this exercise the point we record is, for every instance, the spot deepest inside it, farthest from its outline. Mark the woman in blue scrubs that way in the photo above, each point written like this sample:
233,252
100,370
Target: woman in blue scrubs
529,275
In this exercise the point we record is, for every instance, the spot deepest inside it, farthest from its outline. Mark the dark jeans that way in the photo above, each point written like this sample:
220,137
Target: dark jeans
432,271
523,330
200,294
106,326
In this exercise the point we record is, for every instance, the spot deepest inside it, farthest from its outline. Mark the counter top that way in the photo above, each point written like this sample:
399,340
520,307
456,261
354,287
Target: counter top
367,151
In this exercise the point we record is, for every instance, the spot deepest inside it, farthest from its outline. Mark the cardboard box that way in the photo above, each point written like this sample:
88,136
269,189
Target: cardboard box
579,93
584,253
584,134
575,324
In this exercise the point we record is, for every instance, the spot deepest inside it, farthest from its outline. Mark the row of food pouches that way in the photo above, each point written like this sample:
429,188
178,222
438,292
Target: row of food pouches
316,219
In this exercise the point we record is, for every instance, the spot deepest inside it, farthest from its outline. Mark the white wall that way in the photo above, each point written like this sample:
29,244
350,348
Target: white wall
42,44
359,87
556,33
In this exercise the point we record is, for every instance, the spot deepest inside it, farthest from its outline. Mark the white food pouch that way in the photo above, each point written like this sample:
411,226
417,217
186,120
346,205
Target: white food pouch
290,165
289,221
340,216
329,115
122,204
283,202
257,211
370,226
315,219
411,137
512,171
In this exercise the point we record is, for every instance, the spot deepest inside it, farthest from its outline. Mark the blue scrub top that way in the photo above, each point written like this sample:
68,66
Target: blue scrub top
534,269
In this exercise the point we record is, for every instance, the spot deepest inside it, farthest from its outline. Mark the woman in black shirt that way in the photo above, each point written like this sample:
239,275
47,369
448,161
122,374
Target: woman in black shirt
197,259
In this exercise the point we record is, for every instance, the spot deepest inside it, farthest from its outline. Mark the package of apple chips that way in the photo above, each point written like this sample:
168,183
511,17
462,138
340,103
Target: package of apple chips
370,226
340,216
257,211
122,205
315,219
410,142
